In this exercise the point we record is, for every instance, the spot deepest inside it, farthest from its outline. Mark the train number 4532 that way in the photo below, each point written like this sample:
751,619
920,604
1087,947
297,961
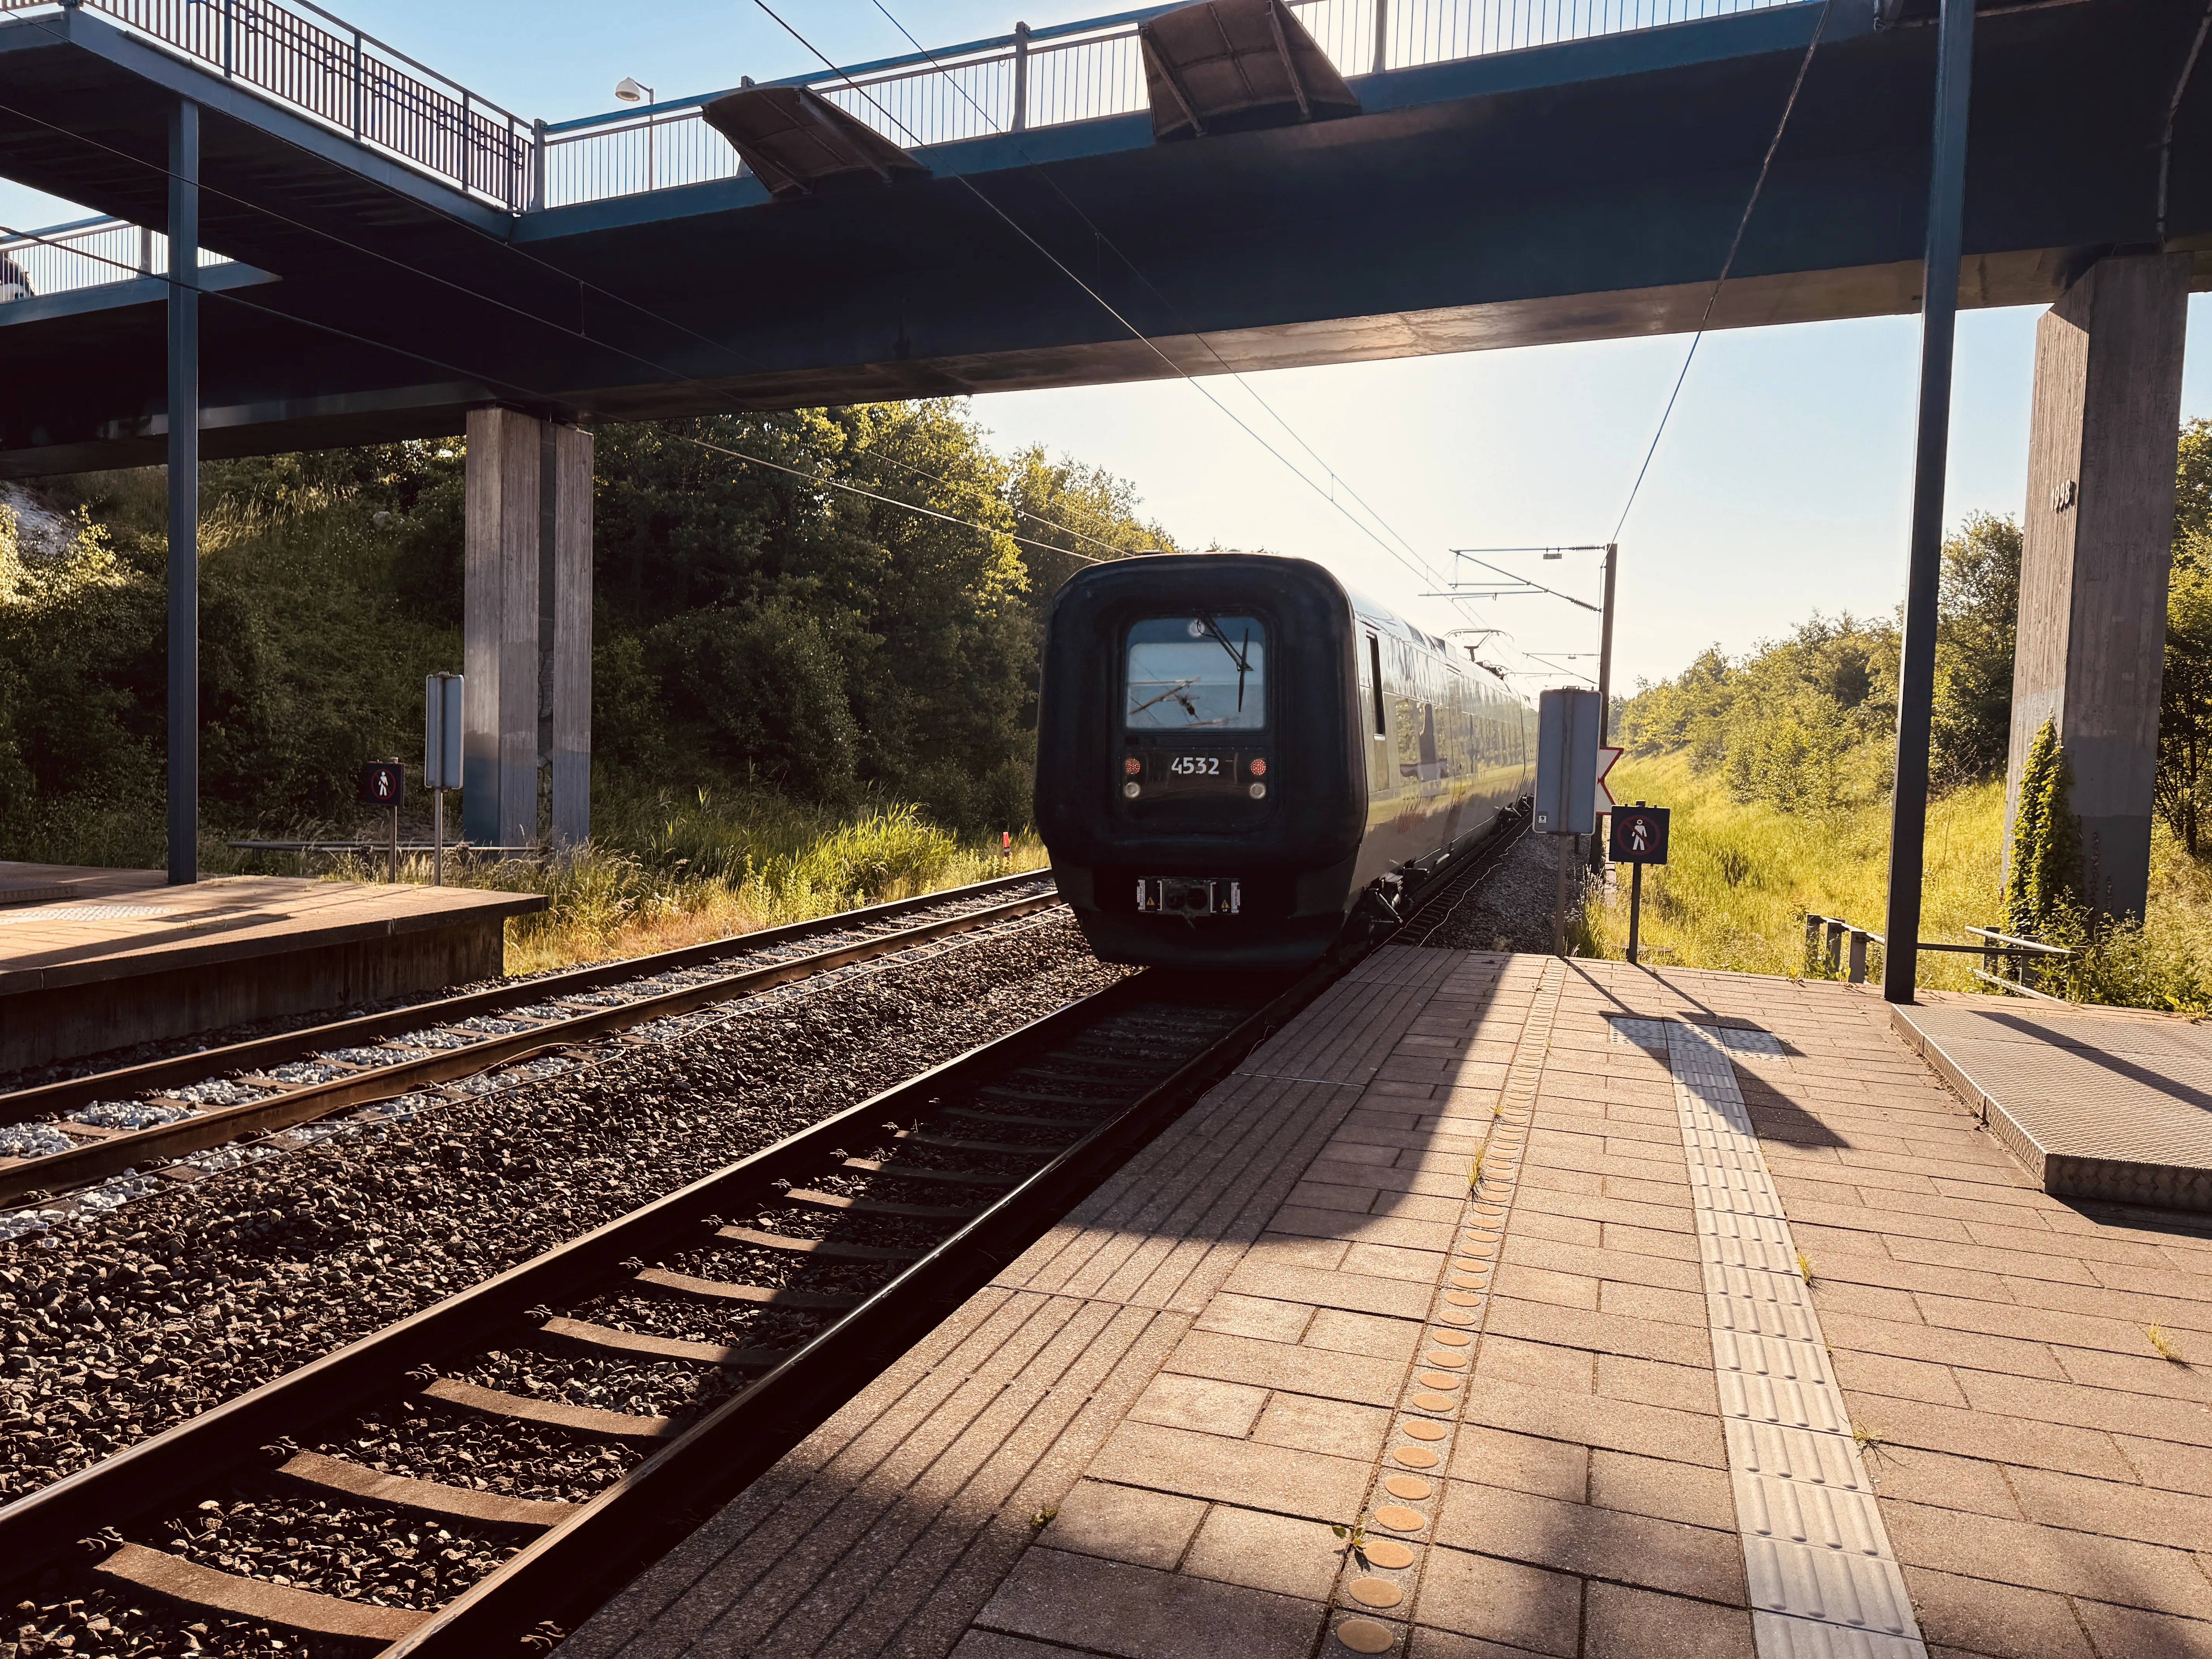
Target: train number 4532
1195,766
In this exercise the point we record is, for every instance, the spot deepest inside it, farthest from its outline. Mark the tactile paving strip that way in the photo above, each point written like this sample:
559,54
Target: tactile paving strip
1375,1601
1825,1583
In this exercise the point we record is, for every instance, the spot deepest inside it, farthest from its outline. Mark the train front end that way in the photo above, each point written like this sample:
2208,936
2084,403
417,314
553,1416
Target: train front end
1199,779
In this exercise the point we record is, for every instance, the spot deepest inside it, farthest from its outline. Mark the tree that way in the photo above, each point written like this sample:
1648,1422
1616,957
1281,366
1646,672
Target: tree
2042,887
2184,716
1976,619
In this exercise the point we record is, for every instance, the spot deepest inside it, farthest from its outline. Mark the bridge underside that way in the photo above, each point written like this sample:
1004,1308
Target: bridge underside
1572,192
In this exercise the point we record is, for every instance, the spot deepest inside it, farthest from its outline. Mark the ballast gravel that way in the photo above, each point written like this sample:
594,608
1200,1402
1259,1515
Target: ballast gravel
1511,909
116,1326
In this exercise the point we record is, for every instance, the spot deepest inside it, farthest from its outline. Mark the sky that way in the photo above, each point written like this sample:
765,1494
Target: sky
1781,486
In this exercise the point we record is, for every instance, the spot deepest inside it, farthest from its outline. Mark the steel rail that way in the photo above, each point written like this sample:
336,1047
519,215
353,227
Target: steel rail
573,1565
35,1529
165,1142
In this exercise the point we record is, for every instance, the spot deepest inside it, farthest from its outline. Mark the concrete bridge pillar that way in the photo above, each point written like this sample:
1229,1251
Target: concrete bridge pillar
2097,547
526,715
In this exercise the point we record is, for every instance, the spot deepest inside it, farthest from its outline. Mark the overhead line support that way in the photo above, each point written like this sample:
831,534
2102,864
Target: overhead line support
1939,316
184,492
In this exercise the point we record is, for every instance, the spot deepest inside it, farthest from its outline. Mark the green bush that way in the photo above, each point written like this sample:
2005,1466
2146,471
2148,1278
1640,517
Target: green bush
2043,886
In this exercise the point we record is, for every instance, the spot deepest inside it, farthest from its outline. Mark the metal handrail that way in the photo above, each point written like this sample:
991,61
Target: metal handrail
342,77
1055,76
1995,947
88,253
1058,76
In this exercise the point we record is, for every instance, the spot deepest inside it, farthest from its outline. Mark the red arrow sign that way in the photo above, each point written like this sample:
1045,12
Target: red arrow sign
1605,758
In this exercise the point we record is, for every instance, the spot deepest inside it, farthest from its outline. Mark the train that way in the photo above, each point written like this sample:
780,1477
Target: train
1239,759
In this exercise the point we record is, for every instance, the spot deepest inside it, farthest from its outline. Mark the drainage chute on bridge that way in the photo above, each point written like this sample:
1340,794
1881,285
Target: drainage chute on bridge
1235,65
796,142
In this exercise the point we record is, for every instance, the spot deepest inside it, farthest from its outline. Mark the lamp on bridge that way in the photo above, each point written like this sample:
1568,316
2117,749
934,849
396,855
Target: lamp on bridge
629,90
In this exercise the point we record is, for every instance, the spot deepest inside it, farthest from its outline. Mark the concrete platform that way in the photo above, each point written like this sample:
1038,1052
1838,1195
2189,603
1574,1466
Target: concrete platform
130,959
2098,1104
1749,1339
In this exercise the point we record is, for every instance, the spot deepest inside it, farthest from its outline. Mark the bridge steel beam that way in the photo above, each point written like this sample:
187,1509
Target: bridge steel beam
184,308
526,628
2098,542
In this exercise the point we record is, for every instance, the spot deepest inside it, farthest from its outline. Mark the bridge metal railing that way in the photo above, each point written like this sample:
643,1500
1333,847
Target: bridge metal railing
1067,73
317,64
90,253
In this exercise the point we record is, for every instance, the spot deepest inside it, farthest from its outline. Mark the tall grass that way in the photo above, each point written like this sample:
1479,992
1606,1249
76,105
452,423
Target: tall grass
705,871
1742,876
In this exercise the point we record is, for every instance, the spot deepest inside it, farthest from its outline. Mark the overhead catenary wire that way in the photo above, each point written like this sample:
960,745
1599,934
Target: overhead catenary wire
1108,243
1735,244
1415,564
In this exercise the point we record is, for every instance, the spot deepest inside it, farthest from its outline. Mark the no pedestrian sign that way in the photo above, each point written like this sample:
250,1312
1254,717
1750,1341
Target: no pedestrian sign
383,783
1639,835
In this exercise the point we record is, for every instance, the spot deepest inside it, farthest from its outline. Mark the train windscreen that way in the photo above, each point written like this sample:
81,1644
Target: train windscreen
1191,672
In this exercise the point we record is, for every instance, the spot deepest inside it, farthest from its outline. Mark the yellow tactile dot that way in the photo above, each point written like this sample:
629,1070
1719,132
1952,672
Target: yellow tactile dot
1421,1429
1433,1402
1451,1339
1488,1211
1413,1457
1455,1361
1375,1592
1383,1553
1471,1265
1462,1298
1438,1380
1411,1488
1454,1316
1366,1636
1475,1246
1399,1518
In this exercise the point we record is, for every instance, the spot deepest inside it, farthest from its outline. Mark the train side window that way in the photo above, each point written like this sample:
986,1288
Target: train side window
1374,681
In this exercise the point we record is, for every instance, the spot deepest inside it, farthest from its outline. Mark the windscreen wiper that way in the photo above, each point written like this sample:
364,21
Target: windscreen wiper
1242,659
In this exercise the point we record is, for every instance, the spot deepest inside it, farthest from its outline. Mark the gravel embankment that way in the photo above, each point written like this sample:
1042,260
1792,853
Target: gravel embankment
1512,910
118,1325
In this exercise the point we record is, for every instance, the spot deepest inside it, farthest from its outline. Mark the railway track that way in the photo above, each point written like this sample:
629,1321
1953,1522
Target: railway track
623,1385
147,1117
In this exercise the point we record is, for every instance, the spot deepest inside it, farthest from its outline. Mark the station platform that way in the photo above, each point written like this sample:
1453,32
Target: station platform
1623,1312
94,959
2097,1103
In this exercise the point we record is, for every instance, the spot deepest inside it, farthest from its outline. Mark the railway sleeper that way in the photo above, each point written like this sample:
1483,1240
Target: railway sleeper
1027,1121
636,1345
1012,1148
552,1413
433,1498
715,1289
1103,1100
912,1172
189,1584
878,1206
821,1247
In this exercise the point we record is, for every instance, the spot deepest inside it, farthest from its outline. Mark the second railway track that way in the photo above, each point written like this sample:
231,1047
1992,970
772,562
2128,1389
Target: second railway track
617,1387
147,1116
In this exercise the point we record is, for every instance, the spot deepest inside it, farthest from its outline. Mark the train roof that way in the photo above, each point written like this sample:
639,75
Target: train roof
1370,611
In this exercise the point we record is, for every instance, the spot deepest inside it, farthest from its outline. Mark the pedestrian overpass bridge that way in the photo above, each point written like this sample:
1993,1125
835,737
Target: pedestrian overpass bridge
383,250
368,251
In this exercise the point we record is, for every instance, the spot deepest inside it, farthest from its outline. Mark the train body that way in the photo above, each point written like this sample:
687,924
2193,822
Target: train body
1234,753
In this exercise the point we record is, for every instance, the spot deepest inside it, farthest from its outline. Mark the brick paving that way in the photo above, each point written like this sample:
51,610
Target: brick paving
1135,1442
